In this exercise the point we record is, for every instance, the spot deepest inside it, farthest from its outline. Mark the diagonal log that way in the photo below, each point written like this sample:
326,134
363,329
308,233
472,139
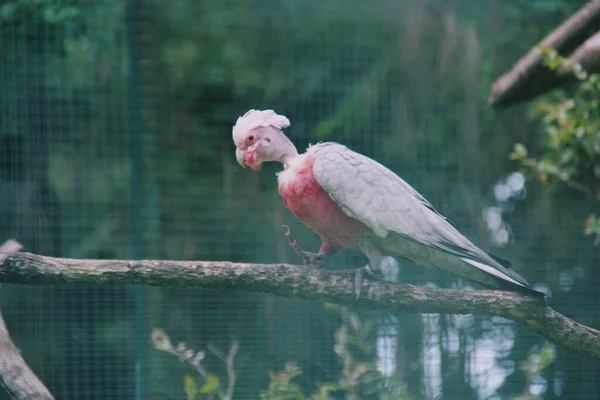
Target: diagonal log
306,283
529,78
16,378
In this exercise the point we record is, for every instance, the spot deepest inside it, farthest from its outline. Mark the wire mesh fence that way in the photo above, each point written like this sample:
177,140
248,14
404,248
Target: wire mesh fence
115,142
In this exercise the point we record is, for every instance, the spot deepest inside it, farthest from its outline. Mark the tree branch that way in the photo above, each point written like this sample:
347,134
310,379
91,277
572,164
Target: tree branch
529,77
306,283
16,377
588,55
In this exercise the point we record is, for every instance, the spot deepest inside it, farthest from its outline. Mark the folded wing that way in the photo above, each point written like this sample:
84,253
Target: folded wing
374,195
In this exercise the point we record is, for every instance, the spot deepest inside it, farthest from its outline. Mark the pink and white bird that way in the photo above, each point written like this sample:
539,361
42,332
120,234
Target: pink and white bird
353,202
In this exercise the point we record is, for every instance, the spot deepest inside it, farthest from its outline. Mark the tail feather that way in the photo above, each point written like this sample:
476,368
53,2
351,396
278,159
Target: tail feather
501,261
508,280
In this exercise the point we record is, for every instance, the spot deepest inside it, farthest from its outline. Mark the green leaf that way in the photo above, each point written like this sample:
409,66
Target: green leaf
590,225
566,156
211,384
551,58
190,387
160,340
547,356
579,72
519,152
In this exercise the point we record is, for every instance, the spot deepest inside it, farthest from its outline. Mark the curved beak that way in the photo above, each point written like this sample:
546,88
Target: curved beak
240,156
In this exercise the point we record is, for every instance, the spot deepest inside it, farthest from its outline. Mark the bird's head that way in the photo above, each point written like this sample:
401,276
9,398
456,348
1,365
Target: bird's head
258,138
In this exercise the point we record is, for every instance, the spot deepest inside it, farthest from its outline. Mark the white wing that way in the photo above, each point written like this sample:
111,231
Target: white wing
371,193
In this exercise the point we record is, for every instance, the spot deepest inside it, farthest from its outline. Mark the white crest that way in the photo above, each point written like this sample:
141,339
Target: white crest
255,119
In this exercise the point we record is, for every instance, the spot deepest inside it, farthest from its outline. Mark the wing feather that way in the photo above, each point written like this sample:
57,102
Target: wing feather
373,194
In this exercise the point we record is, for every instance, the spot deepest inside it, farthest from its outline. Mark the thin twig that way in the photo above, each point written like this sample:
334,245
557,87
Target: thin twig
229,361
231,370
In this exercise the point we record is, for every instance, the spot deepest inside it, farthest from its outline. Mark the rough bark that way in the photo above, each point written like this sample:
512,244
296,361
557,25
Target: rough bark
529,77
17,379
306,283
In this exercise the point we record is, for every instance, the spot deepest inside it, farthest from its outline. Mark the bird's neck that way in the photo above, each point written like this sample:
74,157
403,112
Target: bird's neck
288,151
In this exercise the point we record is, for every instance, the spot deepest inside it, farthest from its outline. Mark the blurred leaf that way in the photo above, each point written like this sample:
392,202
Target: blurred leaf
591,225
571,145
323,392
547,357
160,340
190,387
519,152
211,384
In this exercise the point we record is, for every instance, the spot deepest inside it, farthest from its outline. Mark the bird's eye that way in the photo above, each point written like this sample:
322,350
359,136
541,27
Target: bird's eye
251,138
267,140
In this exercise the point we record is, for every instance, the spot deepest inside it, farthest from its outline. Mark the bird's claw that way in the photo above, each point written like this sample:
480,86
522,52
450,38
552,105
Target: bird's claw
358,280
307,257
359,275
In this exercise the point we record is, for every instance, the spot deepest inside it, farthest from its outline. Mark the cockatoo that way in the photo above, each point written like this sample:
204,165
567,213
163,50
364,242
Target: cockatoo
353,202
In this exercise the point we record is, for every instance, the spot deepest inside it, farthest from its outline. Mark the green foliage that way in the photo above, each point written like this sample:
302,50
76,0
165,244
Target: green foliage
210,388
190,387
211,384
591,226
281,386
354,345
50,11
533,368
571,146
360,377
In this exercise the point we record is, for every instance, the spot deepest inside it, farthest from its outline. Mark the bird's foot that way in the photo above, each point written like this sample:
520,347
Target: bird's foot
307,257
359,278
359,274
